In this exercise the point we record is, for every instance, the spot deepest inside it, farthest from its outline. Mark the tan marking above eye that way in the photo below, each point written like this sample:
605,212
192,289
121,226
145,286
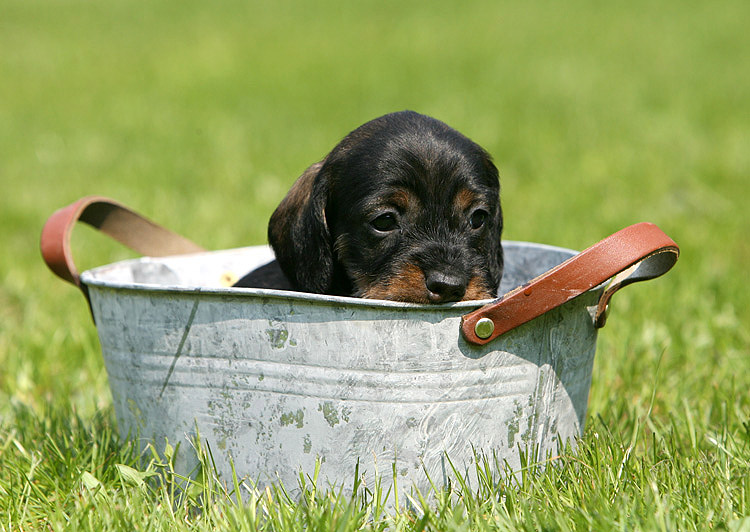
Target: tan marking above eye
464,199
402,198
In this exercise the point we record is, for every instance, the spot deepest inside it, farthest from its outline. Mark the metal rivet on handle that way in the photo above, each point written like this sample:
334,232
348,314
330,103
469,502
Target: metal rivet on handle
484,328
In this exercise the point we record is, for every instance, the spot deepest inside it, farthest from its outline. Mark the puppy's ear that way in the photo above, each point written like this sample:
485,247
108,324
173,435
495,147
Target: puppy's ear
498,264
497,261
299,234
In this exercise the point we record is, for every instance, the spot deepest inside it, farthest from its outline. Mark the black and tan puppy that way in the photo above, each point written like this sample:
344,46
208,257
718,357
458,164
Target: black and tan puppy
404,208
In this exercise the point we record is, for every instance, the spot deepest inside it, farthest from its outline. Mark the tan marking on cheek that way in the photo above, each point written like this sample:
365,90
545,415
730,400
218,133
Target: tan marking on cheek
477,289
407,284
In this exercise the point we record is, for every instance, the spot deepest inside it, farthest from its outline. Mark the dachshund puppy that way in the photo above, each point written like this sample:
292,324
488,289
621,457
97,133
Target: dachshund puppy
404,208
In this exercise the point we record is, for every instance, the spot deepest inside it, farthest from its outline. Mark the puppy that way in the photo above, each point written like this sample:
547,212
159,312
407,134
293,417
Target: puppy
404,208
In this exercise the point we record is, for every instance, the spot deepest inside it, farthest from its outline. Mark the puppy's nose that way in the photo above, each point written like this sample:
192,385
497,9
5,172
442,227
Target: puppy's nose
444,287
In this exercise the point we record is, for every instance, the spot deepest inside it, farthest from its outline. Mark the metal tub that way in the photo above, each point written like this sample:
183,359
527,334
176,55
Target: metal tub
274,381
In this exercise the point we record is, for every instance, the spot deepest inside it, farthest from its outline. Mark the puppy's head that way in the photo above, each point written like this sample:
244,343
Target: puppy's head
404,208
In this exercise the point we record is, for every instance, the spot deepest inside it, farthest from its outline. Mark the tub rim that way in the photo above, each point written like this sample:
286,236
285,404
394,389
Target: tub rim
92,278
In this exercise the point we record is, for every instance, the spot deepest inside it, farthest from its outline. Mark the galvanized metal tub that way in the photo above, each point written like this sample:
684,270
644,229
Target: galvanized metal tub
275,381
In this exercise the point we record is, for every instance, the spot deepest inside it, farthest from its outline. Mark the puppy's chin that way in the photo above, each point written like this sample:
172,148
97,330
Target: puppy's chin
409,287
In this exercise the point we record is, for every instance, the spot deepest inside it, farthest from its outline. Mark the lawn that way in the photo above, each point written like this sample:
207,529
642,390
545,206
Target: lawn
201,115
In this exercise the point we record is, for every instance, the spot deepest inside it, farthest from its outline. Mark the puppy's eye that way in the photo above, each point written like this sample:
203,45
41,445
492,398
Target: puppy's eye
385,222
478,217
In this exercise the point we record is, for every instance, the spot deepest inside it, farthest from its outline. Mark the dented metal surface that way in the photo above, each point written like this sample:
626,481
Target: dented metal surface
275,380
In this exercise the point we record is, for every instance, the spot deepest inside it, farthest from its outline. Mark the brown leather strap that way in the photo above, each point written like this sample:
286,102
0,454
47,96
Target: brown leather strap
636,253
113,219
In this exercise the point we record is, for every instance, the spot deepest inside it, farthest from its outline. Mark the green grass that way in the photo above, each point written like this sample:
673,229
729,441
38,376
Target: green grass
201,115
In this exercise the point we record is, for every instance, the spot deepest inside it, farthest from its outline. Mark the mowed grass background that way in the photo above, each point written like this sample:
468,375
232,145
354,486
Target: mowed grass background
201,115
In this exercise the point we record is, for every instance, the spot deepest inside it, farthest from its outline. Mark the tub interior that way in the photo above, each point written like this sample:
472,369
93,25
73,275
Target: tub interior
218,269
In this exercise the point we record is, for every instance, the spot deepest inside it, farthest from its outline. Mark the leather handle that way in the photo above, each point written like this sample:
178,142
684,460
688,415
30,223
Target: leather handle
636,253
113,219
